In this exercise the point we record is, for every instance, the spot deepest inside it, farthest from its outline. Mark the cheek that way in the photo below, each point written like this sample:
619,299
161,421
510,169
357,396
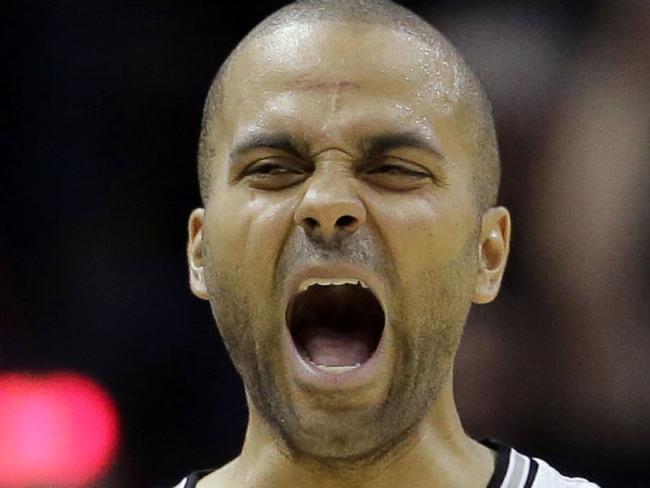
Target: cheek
245,234
423,230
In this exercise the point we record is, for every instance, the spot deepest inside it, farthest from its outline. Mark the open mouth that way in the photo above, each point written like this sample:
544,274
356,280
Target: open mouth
335,324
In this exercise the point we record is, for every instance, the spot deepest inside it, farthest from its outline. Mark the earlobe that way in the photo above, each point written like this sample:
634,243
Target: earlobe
494,247
195,258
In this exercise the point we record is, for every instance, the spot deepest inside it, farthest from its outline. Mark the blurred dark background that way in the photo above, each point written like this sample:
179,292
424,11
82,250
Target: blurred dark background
104,102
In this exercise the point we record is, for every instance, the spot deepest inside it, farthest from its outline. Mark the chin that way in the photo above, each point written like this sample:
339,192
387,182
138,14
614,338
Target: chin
343,438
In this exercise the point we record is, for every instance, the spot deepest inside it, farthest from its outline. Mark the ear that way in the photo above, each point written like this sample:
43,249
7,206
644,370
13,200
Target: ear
195,258
494,246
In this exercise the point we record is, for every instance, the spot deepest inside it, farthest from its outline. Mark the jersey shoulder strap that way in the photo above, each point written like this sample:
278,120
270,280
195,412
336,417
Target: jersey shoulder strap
516,470
191,480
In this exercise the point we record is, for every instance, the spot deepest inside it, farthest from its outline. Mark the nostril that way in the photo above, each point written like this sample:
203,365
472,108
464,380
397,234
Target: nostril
311,222
345,221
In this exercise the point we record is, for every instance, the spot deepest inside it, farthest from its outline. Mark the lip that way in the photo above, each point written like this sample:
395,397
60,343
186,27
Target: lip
311,375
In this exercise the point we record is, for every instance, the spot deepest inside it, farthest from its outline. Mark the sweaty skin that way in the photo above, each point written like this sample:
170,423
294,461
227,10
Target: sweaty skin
291,188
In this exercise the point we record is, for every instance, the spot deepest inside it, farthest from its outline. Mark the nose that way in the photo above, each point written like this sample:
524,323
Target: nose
330,209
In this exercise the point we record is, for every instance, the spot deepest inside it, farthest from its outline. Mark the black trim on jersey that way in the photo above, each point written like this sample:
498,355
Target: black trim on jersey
193,478
501,463
532,472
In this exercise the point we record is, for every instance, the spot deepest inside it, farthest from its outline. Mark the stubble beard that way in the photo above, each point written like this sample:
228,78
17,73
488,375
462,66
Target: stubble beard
425,343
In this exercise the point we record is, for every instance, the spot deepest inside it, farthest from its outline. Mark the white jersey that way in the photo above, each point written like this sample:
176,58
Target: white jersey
519,471
512,470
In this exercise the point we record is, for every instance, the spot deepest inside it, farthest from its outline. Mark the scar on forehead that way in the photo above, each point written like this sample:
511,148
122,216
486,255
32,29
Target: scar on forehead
317,85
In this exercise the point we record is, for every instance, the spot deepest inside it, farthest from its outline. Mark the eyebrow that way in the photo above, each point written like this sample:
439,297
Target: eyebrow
374,145
369,146
257,140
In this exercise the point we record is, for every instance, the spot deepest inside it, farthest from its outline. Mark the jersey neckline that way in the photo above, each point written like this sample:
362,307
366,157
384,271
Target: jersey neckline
496,480
501,462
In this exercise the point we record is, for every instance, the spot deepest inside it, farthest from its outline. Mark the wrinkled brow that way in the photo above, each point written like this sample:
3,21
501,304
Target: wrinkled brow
381,143
368,146
269,140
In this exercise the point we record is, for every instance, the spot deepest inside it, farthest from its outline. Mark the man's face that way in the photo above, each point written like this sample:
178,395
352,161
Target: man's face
339,157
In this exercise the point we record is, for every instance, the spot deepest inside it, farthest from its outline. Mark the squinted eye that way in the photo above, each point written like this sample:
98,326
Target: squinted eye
394,169
396,174
273,174
267,169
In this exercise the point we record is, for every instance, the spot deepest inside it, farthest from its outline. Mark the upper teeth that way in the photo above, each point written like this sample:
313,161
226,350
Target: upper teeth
330,281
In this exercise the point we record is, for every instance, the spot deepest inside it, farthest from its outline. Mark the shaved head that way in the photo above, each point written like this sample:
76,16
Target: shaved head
457,90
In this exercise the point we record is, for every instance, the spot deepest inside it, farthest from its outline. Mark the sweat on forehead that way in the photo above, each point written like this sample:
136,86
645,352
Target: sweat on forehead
287,32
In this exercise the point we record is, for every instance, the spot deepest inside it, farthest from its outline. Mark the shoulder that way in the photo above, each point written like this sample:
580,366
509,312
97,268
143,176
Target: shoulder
516,470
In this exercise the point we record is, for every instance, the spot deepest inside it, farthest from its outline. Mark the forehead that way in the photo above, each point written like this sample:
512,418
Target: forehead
361,71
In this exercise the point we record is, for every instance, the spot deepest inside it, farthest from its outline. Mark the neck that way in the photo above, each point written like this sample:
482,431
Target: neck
437,454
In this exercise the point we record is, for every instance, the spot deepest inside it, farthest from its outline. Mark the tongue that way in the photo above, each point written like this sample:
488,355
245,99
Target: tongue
329,347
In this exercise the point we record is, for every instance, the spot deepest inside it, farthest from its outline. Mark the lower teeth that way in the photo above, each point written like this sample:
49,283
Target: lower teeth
335,369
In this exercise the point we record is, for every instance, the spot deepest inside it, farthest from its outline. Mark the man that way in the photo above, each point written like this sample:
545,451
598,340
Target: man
349,171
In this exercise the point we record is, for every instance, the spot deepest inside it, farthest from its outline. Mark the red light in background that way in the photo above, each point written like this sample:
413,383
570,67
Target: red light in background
59,430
